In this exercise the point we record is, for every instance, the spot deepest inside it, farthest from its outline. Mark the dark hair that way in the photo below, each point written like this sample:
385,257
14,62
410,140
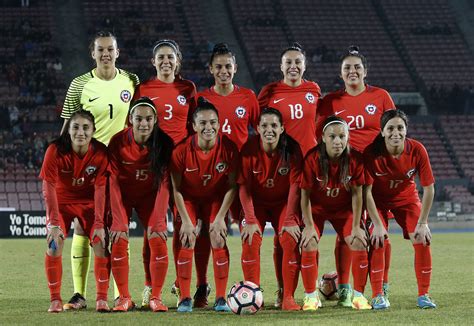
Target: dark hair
174,45
379,143
295,46
324,163
100,34
160,145
221,49
63,142
353,51
204,105
286,146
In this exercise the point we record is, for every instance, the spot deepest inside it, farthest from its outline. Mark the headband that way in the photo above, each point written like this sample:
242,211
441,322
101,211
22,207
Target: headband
167,43
342,122
140,104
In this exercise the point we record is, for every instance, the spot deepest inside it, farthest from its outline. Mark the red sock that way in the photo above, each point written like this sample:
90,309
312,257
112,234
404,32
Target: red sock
54,271
251,259
377,263
102,276
309,270
291,264
185,269
343,255
221,270
277,260
120,266
158,265
360,268
146,258
176,248
388,255
202,252
423,268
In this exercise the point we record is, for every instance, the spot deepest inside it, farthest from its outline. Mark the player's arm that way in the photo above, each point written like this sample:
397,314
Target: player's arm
251,225
357,202
378,233
187,233
422,231
309,232
157,226
99,202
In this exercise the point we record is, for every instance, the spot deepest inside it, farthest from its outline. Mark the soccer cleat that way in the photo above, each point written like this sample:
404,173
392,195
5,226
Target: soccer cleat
175,290
201,295
76,302
361,303
186,305
386,293
146,294
156,305
56,306
221,305
124,304
289,304
379,303
311,303
425,302
279,298
102,306
345,297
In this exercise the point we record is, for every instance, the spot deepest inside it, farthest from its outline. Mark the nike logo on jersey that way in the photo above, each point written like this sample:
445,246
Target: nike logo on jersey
127,163
182,262
154,98
93,99
221,264
257,172
380,174
191,170
278,100
161,258
338,112
119,258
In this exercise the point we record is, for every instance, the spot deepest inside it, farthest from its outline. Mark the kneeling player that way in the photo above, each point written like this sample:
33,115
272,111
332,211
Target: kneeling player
139,159
74,183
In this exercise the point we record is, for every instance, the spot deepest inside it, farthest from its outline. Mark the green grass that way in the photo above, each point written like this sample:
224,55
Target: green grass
24,296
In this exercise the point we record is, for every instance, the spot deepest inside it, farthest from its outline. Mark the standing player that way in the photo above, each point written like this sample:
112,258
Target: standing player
269,191
238,111
298,100
105,91
361,106
391,162
203,175
174,99
74,184
331,190
139,159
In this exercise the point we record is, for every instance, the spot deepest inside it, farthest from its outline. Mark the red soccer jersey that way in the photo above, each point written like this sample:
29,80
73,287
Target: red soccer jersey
237,111
298,106
393,179
173,102
362,113
334,197
75,177
204,175
268,177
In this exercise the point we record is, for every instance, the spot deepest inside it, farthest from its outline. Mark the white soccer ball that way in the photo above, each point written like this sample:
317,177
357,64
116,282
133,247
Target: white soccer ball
245,298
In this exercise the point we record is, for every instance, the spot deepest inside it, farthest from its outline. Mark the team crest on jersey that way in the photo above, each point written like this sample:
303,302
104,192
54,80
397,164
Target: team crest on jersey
310,98
283,170
371,109
221,166
90,169
181,100
125,96
240,111
410,173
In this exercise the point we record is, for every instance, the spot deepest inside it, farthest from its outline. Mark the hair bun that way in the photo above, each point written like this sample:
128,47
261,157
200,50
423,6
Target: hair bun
201,101
297,45
353,49
220,47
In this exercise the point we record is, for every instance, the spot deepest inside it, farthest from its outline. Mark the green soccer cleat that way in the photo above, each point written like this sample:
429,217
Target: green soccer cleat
311,302
386,293
345,297
175,290
146,295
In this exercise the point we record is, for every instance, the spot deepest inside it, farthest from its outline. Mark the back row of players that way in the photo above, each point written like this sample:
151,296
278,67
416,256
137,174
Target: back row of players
281,175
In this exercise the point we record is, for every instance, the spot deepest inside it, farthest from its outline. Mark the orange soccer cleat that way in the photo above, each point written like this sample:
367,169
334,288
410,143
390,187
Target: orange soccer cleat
102,306
124,304
56,306
156,305
289,304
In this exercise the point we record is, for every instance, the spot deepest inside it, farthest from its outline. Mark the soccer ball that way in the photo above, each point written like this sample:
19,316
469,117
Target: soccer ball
245,298
328,286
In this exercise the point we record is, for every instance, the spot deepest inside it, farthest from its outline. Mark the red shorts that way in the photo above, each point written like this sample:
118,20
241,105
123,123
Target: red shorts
84,214
341,221
274,214
143,206
406,216
205,211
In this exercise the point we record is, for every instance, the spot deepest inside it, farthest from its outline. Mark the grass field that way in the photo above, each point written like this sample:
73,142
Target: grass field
24,297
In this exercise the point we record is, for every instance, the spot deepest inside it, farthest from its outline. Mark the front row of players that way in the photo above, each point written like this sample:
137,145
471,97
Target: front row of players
206,171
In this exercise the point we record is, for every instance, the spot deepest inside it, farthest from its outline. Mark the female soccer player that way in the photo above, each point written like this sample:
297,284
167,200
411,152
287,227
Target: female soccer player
298,100
203,174
238,110
106,92
269,191
391,162
74,183
139,159
174,99
361,106
331,189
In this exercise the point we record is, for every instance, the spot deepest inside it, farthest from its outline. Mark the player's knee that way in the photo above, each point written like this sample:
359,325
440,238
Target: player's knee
217,241
311,246
356,245
99,251
56,250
